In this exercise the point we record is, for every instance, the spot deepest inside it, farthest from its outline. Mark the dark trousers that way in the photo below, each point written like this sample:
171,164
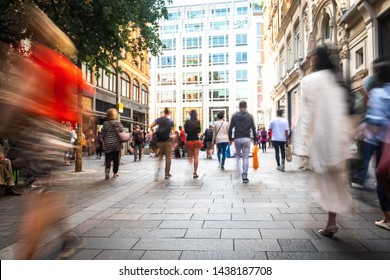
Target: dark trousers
137,151
112,156
384,198
264,146
279,147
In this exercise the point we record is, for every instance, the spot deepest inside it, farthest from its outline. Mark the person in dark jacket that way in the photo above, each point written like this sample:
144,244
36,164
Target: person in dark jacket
242,122
111,141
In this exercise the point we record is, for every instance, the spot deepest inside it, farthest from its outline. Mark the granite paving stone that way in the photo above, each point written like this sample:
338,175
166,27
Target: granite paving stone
214,217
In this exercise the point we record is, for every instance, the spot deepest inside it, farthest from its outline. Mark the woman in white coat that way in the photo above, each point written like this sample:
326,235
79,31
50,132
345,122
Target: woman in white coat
324,135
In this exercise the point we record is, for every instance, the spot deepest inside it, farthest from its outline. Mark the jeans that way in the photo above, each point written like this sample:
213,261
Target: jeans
367,152
112,156
137,151
243,145
222,152
279,146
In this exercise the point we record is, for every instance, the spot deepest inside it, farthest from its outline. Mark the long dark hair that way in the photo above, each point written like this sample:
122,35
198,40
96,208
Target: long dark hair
194,115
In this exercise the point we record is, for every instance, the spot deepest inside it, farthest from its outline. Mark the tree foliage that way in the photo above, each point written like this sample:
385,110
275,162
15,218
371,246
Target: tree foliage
102,30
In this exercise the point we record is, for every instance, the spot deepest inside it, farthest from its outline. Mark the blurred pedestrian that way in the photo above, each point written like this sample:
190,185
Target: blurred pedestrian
378,127
164,143
325,110
138,140
263,139
182,141
99,145
112,142
208,141
280,129
6,175
242,122
193,143
221,138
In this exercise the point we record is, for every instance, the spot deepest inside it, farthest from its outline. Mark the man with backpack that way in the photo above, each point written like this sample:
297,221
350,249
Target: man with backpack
164,142
138,140
208,141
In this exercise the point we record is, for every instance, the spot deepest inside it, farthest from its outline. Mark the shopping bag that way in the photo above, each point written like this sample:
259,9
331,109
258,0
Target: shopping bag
255,157
288,153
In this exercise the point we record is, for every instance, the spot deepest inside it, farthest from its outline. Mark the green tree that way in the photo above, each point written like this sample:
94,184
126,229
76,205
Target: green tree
103,31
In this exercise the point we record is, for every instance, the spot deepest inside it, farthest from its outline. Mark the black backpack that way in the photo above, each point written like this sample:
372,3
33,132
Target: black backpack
139,137
163,131
208,135
263,134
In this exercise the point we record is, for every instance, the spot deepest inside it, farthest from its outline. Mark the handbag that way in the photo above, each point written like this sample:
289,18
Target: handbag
288,153
124,136
217,132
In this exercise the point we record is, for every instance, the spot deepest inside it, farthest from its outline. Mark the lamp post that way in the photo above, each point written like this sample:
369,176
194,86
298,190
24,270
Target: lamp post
204,106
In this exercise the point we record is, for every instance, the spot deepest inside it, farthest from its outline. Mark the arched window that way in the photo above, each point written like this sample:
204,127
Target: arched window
144,95
125,85
327,31
107,79
135,90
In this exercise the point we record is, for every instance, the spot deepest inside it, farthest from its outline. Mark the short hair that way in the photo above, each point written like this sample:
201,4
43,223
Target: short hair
242,104
221,115
279,112
383,71
112,114
166,111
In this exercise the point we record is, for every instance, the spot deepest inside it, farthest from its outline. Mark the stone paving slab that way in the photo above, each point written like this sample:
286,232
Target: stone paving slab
134,216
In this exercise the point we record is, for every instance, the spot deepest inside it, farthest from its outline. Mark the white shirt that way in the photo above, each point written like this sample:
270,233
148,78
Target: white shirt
279,127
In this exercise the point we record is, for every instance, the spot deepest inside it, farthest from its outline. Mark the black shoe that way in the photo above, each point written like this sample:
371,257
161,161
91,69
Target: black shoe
9,191
246,180
222,168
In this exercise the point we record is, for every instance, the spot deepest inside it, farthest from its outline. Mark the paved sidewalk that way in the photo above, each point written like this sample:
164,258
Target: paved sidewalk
216,216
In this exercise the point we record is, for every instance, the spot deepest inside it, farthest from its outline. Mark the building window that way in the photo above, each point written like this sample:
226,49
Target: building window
135,91
297,42
192,95
218,41
242,94
241,57
125,85
220,25
282,63
174,16
327,28
167,61
196,14
359,57
242,10
87,73
238,24
219,59
221,94
191,60
170,29
107,79
192,78
144,95
194,27
166,96
241,39
290,54
241,75
216,77
192,43
169,44
166,79
220,12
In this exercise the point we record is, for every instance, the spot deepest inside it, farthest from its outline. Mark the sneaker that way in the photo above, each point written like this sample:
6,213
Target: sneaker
222,168
10,191
245,180
168,176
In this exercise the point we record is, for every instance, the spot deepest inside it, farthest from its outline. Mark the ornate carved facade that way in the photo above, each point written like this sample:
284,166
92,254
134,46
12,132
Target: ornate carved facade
360,28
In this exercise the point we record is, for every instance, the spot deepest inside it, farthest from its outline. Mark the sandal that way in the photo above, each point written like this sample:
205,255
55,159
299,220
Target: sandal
329,232
195,176
382,224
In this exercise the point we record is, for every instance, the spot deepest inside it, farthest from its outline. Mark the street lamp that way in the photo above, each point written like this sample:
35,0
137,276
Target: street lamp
204,106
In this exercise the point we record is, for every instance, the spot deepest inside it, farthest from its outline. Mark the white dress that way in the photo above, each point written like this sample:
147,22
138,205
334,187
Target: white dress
324,136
